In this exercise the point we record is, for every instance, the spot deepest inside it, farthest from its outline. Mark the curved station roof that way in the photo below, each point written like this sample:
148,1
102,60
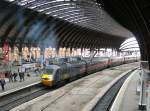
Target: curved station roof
129,45
87,13
135,16
59,23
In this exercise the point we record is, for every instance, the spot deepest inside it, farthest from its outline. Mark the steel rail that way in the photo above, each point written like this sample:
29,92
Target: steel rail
19,97
105,103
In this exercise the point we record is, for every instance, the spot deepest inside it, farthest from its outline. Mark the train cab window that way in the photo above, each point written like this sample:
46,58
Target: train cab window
48,71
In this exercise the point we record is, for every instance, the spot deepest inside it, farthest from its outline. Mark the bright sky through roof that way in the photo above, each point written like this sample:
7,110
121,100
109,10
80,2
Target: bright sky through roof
130,44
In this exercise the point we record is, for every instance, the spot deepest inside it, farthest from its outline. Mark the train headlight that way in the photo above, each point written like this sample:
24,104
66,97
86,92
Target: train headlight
47,80
47,77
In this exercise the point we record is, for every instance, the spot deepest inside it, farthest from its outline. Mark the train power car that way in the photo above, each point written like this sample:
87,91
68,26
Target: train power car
54,74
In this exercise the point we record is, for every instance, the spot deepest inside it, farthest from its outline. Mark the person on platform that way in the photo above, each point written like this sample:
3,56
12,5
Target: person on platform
21,76
2,83
10,76
15,76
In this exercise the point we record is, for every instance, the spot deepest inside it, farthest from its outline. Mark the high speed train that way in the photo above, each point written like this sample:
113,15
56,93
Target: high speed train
65,69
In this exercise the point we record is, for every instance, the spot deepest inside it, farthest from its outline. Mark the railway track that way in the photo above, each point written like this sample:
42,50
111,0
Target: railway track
104,104
14,99
17,98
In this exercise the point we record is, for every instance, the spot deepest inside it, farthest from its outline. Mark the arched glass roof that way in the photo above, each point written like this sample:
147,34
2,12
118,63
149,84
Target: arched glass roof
86,13
129,45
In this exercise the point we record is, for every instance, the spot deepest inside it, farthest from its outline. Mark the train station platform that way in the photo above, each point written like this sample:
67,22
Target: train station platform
128,98
10,87
77,95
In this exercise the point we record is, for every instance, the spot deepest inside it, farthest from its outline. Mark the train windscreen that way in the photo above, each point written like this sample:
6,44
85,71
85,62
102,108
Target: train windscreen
48,71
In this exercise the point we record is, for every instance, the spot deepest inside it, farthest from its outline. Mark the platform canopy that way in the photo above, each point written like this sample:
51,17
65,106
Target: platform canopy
60,23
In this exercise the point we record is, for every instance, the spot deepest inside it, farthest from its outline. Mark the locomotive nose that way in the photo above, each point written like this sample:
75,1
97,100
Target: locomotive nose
47,80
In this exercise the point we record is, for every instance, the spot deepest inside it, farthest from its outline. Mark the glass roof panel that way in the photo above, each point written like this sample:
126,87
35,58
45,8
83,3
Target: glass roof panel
98,19
129,44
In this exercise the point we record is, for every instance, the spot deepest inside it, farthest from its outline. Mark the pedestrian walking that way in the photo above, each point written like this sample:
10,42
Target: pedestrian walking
2,83
10,76
15,76
21,76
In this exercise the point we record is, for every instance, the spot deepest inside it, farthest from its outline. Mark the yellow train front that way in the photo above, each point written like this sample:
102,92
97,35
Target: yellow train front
48,76
47,80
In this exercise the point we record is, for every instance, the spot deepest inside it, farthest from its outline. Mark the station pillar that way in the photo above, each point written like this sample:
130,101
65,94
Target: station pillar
93,52
36,55
20,58
12,54
30,53
65,52
42,57
20,55
105,53
30,56
5,51
144,102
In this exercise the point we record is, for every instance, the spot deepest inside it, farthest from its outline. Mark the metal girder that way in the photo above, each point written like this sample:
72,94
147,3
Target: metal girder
64,33
20,28
129,45
127,42
36,28
98,19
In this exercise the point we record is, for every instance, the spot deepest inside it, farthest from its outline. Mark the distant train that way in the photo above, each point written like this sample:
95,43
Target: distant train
65,69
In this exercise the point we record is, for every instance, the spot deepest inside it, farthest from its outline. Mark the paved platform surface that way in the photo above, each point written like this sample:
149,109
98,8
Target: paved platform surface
76,95
131,99
15,85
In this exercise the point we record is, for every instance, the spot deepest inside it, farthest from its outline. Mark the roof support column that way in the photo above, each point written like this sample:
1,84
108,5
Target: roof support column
42,57
20,54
